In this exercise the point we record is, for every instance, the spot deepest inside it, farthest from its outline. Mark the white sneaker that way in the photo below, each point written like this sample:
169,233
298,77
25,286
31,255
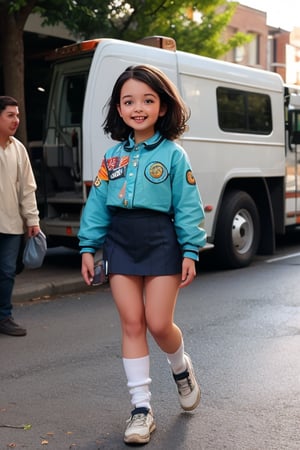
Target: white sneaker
188,389
140,426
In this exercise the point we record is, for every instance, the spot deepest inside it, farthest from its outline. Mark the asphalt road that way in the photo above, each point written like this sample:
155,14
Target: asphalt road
65,378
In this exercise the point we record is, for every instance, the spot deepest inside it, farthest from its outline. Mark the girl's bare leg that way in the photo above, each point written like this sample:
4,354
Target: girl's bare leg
160,300
127,292
128,295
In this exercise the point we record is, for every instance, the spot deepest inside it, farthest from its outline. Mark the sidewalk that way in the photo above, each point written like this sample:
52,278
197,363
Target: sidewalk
60,274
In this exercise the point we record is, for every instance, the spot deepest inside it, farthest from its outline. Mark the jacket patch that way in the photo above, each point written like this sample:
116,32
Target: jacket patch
190,177
97,181
156,172
117,167
102,173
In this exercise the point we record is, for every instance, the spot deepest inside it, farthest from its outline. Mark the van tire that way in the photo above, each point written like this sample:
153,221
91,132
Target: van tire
238,231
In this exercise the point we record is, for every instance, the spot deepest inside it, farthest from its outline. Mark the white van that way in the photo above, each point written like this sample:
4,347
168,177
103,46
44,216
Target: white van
237,141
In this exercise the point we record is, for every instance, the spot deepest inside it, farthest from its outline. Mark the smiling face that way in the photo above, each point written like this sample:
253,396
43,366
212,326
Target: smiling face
140,107
9,122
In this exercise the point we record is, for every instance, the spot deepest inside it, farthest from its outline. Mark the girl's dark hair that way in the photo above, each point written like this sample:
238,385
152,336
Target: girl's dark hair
5,101
171,125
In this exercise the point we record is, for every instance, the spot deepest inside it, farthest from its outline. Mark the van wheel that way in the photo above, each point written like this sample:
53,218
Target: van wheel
238,231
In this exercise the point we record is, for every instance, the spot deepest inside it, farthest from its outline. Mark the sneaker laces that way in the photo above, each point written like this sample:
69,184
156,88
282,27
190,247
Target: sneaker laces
138,417
184,383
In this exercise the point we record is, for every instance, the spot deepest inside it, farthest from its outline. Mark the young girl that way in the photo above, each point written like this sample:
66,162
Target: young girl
145,211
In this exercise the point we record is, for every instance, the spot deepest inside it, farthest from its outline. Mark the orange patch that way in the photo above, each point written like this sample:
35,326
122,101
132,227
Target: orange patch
102,174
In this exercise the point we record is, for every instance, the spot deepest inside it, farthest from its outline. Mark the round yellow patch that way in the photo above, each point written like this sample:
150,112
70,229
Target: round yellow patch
190,177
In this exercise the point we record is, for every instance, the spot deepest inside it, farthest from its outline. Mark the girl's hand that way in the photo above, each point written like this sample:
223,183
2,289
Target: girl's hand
188,272
87,267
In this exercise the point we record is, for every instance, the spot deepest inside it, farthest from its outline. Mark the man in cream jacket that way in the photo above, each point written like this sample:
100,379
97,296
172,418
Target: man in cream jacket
18,208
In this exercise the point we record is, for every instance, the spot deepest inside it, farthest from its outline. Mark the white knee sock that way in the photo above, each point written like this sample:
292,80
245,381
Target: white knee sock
138,380
177,360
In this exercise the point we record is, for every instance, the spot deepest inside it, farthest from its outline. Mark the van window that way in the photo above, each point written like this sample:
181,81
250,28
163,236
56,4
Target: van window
244,112
72,100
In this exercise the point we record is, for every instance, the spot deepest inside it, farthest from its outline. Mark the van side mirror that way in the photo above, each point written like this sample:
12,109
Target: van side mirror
294,127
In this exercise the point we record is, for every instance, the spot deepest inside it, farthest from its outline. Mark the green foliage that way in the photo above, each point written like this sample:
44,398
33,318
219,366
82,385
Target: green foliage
201,33
15,6
133,19
83,18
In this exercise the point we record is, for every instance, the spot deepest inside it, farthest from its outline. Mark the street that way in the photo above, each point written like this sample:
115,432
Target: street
65,379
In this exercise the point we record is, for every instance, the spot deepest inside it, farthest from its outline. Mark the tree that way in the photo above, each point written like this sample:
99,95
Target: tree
13,16
123,19
12,21
197,29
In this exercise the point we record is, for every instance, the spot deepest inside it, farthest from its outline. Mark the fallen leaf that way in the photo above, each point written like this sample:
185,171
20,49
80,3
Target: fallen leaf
45,442
20,427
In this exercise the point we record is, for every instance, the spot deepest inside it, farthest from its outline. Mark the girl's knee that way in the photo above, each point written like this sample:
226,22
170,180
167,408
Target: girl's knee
134,328
160,330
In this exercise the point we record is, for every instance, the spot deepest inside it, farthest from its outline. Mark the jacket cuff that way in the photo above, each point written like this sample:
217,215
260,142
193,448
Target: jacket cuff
191,253
87,250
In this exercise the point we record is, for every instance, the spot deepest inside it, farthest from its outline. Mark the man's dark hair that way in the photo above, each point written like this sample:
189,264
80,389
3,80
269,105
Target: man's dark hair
5,101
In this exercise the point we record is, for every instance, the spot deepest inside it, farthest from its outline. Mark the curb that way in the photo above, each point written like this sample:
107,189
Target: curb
36,290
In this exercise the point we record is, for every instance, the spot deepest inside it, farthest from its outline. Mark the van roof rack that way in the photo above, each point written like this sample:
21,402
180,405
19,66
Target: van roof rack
166,43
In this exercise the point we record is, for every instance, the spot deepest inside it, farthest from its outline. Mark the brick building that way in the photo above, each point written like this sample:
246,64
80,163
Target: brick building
271,49
249,21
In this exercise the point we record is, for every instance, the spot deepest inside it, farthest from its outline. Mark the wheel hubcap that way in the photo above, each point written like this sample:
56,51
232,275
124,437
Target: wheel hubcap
242,231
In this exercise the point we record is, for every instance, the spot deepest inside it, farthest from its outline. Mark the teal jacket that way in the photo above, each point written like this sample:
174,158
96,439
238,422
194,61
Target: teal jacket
155,174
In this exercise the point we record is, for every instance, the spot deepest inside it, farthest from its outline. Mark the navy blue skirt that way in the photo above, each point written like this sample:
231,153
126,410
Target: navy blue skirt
142,242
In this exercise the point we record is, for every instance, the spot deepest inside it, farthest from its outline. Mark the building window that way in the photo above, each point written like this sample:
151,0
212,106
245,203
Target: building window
239,54
254,50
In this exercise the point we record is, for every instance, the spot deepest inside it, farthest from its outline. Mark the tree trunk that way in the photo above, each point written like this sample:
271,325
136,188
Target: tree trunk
13,72
12,56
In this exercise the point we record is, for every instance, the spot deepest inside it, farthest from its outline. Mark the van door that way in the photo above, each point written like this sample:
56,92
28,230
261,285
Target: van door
293,162
62,152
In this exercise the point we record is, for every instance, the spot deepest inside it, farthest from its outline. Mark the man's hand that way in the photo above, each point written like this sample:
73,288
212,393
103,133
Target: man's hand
33,230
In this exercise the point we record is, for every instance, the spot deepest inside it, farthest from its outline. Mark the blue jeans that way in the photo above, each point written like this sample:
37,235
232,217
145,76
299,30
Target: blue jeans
9,249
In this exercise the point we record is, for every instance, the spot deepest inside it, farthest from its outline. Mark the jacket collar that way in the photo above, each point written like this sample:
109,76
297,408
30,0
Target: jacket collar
149,144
